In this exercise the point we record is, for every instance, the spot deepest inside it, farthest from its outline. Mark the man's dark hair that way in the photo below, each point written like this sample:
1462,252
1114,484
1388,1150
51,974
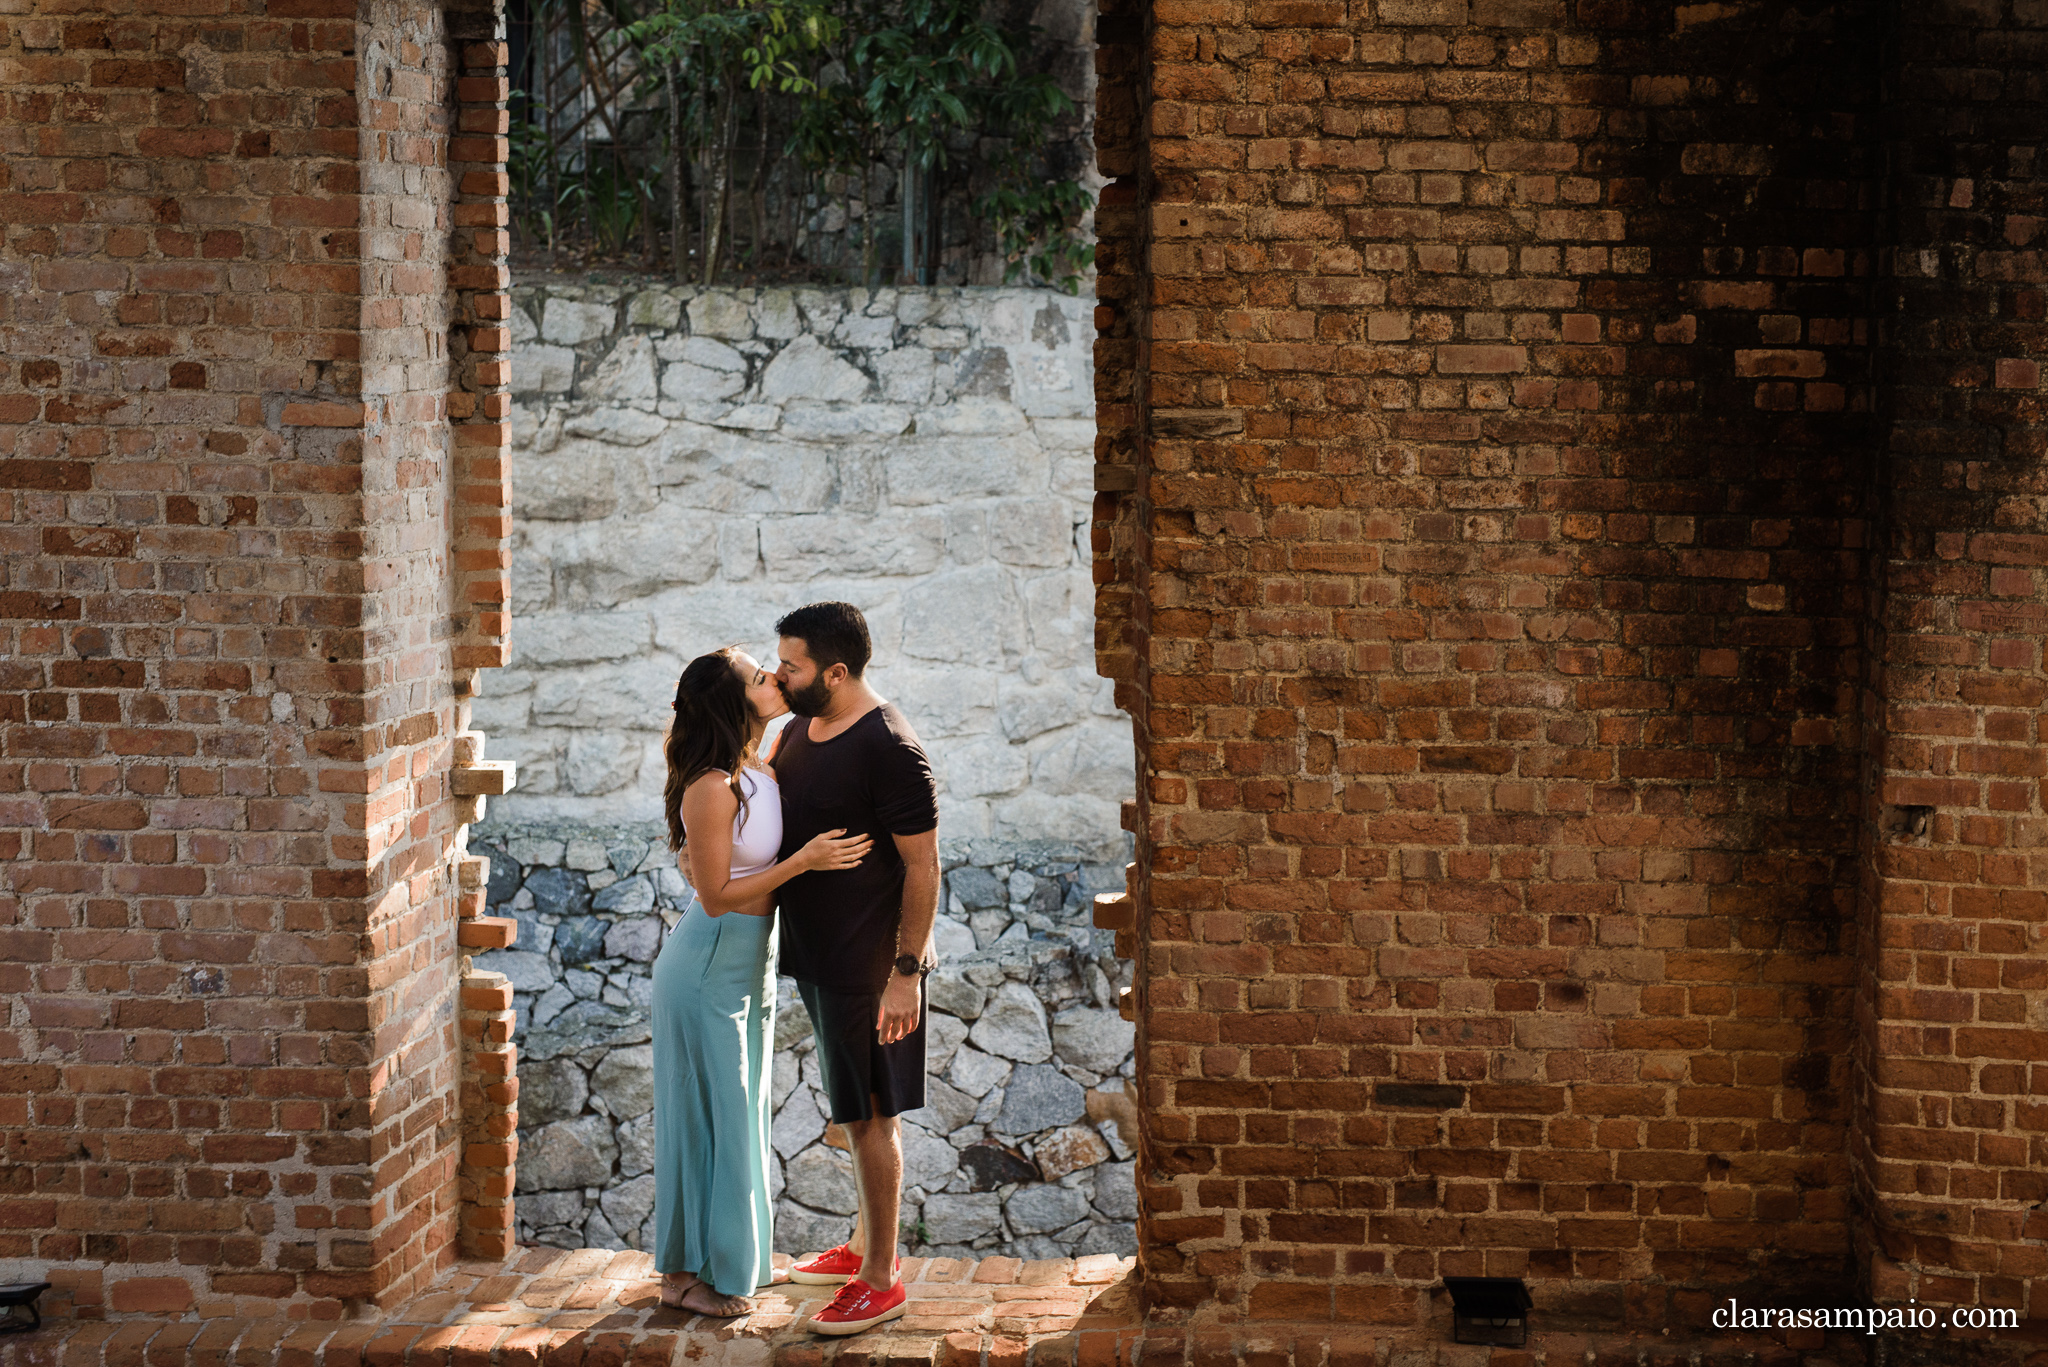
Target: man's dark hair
833,633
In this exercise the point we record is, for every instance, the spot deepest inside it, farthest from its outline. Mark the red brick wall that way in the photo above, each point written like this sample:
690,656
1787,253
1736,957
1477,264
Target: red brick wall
228,625
1535,495
1955,1040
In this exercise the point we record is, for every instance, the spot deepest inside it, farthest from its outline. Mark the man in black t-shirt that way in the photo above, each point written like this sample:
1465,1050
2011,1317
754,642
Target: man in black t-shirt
858,940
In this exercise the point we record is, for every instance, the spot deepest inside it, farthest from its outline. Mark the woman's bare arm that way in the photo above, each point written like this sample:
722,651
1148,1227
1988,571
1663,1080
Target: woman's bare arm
709,807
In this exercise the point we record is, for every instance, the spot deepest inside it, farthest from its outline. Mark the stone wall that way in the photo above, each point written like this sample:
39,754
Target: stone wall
693,464
1022,1148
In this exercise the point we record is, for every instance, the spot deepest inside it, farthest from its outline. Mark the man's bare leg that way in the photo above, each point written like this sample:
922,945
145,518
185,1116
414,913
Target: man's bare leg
878,1177
856,1242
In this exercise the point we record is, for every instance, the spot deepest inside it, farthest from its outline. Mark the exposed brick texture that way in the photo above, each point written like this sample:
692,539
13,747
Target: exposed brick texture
490,1114
1569,488
1954,1047
238,629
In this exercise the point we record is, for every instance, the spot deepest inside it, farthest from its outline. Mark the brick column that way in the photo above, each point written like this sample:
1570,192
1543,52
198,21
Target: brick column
480,396
490,1114
1120,523
229,703
1954,1024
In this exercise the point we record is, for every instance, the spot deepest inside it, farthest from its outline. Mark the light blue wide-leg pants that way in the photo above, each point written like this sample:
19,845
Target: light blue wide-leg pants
714,1037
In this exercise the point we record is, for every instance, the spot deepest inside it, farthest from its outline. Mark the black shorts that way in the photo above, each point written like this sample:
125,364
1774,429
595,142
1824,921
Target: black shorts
859,1071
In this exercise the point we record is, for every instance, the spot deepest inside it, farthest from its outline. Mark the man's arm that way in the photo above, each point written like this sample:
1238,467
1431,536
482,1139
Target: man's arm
898,1016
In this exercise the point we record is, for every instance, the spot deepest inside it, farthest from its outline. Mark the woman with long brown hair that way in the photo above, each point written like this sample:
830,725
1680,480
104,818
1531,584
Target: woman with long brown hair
714,986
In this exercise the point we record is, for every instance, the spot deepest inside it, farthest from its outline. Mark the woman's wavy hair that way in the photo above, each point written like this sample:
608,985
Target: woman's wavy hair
710,734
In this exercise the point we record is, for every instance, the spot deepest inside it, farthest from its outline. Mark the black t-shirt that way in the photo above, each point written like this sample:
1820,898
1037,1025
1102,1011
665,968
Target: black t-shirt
839,926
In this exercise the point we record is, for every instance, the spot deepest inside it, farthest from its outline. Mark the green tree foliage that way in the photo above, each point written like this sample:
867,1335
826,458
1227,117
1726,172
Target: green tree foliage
713,52
933,85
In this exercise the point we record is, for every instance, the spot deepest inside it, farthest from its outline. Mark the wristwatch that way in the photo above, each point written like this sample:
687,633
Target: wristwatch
908,964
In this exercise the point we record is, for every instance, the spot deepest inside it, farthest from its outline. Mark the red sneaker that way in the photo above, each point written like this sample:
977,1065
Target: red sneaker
831,1268
859,1306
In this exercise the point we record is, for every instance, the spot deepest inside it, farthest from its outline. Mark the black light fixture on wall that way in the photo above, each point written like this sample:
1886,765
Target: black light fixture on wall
1489,1310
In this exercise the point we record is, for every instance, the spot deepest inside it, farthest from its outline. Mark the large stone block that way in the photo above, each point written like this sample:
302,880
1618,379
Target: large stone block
955,996
542,1209
952,941
571,322
626,1081
1089,758
638,695
689,383
968,617
568,1153
1094,1039
1116,1190
1044,1209
1013,1026
616,426
704,469
601,762
1037,532
798,1124
797,549
1081,819
805,420
703,352
584,638
575,482
539,369
551,1090
776,315
800,1230
821,1177
609,564
654,309
906,375
945,467
1070,1148
808,369
636,1146
980,768
627,1206
528,972
1039,1097
928,1161
627,373
722,313
974,1072
1025,712
961,1219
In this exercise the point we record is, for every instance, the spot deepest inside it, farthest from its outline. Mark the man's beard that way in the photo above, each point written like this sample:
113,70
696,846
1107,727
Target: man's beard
808,701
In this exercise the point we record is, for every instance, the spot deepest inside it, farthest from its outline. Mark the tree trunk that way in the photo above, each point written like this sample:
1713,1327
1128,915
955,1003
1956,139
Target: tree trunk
907,207
757,185
679,182
867,224
721,185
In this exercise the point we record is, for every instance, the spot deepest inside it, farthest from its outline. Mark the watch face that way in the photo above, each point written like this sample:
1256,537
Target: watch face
906,964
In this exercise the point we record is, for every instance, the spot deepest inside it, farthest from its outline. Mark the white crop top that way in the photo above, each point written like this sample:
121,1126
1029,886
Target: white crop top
757,828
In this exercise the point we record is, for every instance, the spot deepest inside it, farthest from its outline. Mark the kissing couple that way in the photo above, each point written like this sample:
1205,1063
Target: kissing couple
803,807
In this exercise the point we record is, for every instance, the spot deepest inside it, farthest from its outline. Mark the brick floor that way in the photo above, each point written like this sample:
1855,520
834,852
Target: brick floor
594,1308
